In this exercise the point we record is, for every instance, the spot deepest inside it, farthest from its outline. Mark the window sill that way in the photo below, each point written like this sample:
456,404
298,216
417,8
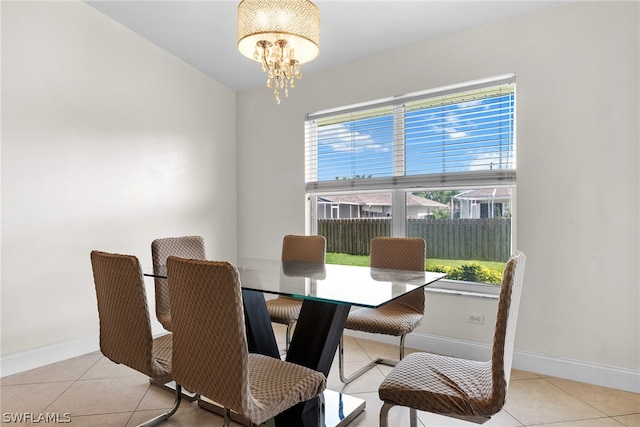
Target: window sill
473,289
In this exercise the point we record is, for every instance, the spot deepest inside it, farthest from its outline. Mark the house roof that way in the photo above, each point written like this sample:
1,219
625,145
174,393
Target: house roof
381,199
485,194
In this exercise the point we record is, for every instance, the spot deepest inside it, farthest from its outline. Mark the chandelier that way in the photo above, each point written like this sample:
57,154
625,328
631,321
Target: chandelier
281,35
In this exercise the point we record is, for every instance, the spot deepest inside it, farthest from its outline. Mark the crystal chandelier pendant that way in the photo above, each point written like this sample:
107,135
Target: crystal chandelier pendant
281,35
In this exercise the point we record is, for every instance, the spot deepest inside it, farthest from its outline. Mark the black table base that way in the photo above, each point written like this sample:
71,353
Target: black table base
314,344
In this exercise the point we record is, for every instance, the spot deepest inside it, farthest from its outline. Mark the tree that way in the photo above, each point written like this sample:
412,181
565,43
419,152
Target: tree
442,196
440,214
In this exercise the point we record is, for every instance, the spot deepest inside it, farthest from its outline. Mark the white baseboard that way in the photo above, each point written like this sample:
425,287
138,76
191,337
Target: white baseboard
587,372
21,361
576,370
29,359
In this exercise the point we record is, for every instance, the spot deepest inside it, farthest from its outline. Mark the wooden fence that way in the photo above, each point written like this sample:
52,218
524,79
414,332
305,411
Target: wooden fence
469,239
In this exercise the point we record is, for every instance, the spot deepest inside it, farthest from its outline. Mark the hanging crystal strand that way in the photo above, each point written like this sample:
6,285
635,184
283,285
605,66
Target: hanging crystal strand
283,78
292,73
288,81
282,53
297,71
270,77
276,89
277,72
272,68
261,54
278,61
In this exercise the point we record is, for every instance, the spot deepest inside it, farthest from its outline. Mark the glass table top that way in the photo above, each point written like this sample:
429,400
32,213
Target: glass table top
339,284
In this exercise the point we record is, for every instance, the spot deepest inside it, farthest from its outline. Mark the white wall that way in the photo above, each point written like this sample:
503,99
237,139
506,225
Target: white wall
578,183
108,142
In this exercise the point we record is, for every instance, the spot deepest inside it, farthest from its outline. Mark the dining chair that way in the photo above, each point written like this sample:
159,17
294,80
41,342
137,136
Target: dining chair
125,326
210,354
185,247
285,310
399,317
456,387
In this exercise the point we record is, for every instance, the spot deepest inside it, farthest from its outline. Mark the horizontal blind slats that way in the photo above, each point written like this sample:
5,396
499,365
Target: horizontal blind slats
414,138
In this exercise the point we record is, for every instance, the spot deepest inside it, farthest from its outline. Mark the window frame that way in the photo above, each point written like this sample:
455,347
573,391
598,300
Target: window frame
400,185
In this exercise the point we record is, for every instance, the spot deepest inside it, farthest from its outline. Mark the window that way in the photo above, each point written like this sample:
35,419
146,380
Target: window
435,163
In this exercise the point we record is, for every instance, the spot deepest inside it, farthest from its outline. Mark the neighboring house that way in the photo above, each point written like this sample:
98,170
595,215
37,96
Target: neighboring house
483,203
421,207
369,205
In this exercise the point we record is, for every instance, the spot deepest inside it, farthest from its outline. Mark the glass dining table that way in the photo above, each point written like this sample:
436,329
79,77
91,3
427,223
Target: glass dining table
328,292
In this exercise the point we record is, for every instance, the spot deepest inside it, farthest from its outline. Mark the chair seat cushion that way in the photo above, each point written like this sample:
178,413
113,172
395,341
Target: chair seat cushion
161,369
443,385
284,310
165,321
276,385
383,321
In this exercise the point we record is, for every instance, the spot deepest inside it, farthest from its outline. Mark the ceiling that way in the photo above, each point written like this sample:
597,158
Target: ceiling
203,33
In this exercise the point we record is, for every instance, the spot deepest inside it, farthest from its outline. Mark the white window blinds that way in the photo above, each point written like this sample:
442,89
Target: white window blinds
443,137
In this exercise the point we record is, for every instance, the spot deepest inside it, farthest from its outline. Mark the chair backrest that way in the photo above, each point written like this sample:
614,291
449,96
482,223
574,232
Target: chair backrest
125,328
507,317
210,353
400,253
191,247
303,248
185,247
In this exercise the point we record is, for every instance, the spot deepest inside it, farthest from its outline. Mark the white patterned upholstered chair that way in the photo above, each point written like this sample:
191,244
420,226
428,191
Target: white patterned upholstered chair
285,310
210,354
399,317
184,247
460,388
125,326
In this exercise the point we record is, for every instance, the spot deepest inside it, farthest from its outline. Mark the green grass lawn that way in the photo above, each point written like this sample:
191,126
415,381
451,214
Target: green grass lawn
446,265
363,260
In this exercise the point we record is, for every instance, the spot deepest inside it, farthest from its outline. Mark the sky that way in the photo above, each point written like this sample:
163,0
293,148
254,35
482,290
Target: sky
463,136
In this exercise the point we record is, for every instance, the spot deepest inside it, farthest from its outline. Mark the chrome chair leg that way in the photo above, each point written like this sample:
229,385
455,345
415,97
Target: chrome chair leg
163,417
359,372
413,417
384,414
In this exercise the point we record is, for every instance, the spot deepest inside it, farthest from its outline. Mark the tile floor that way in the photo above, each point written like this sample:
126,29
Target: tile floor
97,392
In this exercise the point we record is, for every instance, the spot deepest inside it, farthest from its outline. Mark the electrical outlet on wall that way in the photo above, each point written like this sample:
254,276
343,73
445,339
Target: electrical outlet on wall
477,319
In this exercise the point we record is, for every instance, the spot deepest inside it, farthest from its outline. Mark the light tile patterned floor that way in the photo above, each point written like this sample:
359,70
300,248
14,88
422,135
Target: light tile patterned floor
97,392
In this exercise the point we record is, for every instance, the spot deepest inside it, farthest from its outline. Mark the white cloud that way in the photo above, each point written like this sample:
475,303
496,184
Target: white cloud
487,161
347,140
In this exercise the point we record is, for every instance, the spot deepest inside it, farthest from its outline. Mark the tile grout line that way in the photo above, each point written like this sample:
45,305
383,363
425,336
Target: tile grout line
74,382
138,405
577,398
